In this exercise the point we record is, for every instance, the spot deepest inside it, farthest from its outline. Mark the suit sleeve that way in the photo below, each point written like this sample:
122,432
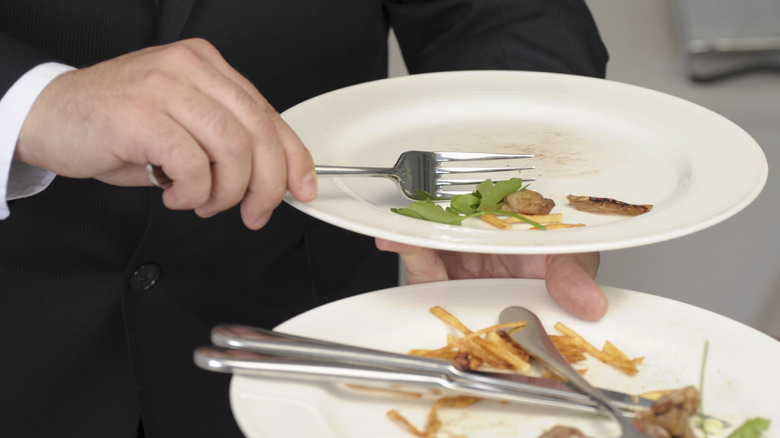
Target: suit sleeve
540,35
16,59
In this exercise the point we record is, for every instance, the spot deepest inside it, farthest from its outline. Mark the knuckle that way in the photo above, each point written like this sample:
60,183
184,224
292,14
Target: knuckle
214,117
276,191
193,165
266,128
182,55
263,118
199,44
234,140
272,113
236,146
190,164
243,98
157,79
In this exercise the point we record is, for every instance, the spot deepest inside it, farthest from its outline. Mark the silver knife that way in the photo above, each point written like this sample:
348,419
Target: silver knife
249,363
282,355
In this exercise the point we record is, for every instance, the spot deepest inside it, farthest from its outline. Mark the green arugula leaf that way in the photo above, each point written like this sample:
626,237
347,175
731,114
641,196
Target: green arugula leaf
753,428
487,199
431,212
515,215
493,194
407,212
465,204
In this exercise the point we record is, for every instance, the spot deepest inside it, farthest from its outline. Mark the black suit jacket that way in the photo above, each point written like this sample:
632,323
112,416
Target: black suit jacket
105,293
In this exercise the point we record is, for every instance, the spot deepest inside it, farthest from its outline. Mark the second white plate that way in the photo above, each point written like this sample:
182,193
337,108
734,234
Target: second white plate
740,378
589,136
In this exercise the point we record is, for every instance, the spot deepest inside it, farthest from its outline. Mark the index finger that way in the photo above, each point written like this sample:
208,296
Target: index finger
570,282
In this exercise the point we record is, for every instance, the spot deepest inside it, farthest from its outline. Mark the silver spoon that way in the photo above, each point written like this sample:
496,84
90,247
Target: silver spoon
534,339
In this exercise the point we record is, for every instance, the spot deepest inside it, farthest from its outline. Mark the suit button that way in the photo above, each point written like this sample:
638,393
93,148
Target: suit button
144,277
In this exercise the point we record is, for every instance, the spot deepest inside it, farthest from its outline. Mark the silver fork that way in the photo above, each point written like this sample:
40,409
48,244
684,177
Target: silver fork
416,172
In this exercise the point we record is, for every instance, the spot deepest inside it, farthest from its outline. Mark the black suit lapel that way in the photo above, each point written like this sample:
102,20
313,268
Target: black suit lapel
173,15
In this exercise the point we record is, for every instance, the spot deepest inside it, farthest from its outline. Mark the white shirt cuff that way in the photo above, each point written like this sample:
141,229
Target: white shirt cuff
17,179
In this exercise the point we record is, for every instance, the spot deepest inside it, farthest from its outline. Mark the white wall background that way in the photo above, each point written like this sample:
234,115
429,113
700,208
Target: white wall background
732,268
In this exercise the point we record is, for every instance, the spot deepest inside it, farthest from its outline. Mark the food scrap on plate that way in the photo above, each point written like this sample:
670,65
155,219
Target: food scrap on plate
595,204
492,347
672,415
669,417
506,203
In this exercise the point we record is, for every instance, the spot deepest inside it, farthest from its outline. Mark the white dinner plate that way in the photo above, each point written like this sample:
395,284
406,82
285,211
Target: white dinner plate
740,380
589,136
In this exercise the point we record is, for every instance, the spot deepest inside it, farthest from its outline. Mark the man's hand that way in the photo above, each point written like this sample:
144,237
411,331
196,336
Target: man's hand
178,106
569,277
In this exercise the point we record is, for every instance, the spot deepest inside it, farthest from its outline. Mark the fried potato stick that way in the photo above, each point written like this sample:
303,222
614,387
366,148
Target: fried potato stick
570,348
544,219
492,350
506,351
496,221
479,349
493,346
621,361
450,319
506,222
434,424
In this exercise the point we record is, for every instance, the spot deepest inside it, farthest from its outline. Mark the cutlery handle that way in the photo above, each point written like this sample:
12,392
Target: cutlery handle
245,362
250,363
276,343
362,171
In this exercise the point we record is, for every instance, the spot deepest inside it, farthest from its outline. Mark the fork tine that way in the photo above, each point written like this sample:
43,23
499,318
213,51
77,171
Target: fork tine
458,182
476,156
463,181
448,170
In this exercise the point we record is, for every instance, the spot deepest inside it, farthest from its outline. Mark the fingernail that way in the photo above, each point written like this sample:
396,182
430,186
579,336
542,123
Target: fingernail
309,186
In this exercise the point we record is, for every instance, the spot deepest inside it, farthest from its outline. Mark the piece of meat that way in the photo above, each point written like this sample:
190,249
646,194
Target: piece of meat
594,204
462,359
527,202
563,432
669,415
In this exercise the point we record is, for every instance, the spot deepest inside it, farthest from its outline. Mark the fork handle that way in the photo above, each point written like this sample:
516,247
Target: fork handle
284,344
364,171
